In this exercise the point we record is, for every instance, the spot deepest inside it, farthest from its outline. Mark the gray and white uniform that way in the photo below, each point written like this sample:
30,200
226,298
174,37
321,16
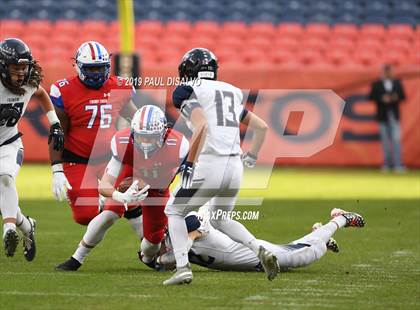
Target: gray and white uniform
215,250
11,147
219,169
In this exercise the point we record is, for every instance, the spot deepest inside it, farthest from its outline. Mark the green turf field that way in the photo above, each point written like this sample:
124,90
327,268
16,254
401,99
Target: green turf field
377,268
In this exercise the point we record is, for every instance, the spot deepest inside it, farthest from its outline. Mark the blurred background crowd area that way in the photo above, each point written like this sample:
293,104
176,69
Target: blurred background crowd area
324,33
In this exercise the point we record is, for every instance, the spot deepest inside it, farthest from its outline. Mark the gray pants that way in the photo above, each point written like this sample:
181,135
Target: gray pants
216,178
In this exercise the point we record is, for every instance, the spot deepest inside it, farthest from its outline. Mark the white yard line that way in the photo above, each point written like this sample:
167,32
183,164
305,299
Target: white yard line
64,294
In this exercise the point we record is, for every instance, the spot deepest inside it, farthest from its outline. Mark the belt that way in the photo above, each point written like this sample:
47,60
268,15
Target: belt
12,139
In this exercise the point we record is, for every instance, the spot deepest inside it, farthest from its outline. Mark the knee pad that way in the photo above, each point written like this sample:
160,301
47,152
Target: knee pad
6,180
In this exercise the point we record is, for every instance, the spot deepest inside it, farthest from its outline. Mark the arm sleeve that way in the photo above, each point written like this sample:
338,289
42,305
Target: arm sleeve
114,167
56,97
114,149
185,100
184,148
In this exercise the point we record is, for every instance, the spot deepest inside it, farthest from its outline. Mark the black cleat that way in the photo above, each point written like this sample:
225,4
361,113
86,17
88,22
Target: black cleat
151,264
332,245
10,242
71,264
29,245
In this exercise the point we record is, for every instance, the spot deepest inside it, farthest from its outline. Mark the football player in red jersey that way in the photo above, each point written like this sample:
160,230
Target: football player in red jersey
88,105
153,153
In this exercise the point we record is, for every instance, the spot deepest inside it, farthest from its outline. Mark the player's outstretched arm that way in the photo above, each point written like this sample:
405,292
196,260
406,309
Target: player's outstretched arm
198,138
56,135
260,128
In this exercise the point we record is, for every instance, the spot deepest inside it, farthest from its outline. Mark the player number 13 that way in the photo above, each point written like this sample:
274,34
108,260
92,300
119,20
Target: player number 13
105,118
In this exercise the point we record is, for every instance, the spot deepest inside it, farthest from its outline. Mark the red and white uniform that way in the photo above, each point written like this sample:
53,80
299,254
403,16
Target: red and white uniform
92,114
158,171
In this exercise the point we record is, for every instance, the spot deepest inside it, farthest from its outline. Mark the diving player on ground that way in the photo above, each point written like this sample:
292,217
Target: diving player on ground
213,249
20,78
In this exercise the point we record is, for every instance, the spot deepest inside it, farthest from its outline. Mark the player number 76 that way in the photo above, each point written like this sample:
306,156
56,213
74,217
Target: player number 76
105,118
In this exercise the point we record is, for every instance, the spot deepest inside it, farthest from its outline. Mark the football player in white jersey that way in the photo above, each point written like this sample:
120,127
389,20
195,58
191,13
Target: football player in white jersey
215,250
20,78
213,169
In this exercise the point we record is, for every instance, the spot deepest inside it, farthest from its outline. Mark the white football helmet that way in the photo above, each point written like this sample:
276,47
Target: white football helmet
93,64
148,128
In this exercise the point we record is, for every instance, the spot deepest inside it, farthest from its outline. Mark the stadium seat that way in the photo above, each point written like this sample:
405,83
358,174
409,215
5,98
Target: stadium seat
43,27
286,43
95,28
178,28
11,28
320,31
341,44
280,56
263,30
337,57
255,56
235,43
235,29
202,41
314,43
375,46
345,31
207,28
225,55
69,28
145,40
397,44
396,58
258,42
152,27
308,57
291,30
404,32
374,31
367,58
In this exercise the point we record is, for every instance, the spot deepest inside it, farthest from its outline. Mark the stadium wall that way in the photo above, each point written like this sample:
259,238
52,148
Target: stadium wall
356,142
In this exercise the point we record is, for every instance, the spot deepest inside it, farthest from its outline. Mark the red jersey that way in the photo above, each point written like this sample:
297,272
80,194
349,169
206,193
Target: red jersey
160,168
92,113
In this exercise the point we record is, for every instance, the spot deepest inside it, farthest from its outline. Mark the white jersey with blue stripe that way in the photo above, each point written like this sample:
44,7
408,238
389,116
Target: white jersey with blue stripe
8,127
223,109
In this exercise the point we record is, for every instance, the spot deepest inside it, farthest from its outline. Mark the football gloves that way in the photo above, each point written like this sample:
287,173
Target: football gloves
187,174
56,136
249,160
60,184
131,195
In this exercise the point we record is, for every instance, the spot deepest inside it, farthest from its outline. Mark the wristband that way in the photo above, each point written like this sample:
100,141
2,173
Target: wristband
52,117
57,168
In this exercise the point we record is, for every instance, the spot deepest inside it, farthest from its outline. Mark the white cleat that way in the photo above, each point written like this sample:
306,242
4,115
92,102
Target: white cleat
269,262
182,275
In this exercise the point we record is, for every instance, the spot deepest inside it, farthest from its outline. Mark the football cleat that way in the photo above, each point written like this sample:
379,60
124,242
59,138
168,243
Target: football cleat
71,264
182,275
332,245
29,245
151,264
352,219
269,262
10,242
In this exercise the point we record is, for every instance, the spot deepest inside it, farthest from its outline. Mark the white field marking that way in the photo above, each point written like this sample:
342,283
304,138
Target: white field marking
362,266
401,253
255,298
63,294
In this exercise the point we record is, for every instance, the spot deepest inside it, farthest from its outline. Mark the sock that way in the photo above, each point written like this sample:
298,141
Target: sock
7,226
340,221
324,233
149,250
95,232
23,223
81,253
8,197
179,237
137,225
237,232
